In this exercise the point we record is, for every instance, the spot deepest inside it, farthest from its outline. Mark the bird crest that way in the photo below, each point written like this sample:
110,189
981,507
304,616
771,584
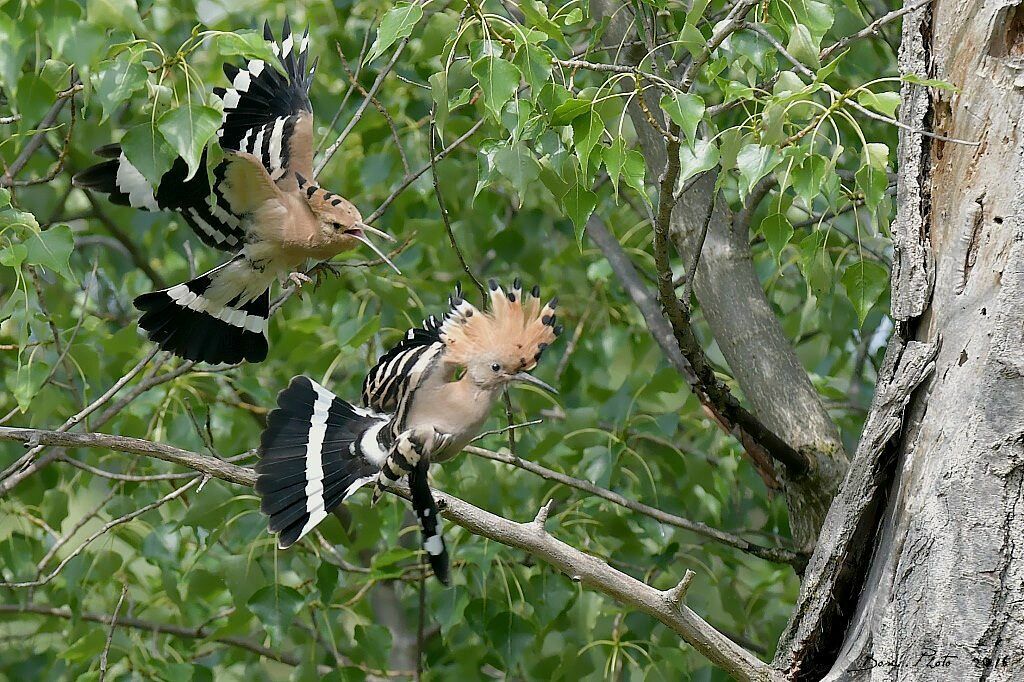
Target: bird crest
516,329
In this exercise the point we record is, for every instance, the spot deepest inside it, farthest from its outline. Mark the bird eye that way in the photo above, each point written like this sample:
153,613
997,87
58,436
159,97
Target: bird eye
336,226
495,367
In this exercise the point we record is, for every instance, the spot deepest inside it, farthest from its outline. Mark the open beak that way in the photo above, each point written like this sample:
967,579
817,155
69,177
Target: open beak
373,230
530,379
357,233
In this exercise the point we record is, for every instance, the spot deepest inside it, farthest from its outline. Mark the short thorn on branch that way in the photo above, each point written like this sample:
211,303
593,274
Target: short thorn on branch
677,594
542,515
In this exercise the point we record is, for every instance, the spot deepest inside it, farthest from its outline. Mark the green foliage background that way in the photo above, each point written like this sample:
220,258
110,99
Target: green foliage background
554,146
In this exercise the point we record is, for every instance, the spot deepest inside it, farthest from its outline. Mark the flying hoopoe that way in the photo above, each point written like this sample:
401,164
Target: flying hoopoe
264,209
424,400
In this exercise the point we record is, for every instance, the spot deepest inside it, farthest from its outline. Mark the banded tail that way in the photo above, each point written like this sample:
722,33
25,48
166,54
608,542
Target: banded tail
316,451
210,318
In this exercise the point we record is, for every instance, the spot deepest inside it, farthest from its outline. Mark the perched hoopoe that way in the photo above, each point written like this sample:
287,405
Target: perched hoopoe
264,209
423,401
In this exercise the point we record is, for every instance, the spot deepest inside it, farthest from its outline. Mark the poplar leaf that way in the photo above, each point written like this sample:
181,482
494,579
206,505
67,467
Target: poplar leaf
396,25
187,129
499,79
864,282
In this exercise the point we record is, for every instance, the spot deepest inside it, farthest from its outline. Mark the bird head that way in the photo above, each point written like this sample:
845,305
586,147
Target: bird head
341,224
502,345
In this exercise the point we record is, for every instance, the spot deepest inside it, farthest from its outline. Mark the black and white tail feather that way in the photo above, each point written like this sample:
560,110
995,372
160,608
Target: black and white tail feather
318,449
315,452
185,320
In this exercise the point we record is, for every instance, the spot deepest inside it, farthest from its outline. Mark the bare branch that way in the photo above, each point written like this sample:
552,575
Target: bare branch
777,554
110,634
588,570
678,593
871,29
362,108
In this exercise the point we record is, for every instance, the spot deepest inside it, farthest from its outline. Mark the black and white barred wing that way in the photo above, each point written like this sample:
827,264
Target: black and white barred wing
209,216
315,452
267,113
398,372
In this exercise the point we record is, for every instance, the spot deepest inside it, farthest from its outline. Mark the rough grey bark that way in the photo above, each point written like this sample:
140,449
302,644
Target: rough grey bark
940,497
743,323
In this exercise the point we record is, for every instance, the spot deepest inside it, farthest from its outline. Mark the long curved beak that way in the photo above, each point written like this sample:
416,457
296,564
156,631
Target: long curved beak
373,230
530,379
373,247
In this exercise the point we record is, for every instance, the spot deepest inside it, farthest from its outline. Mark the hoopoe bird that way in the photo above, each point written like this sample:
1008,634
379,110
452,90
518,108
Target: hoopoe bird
424,400
264,209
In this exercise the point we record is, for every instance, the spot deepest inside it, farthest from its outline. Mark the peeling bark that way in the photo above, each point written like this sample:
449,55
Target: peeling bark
920,572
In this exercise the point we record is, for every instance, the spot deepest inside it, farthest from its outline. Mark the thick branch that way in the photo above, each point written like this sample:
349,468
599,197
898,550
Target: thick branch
778,554
530,537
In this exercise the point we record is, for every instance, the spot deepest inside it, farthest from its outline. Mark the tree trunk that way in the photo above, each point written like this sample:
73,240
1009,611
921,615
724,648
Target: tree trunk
919,574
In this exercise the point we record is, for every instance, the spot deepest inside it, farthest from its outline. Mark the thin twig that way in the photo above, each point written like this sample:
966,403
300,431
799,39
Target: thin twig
362,108
444,209
871,29
412,177
110,633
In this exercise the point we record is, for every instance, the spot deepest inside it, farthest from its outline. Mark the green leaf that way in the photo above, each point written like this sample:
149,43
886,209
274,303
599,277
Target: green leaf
25,381
754,162
685,110
882,102
614,157
535,63
586,131
248,44
634,171
116,82
569,110
802,46
187,129
579,203
14,255
810,176
498,80
864,282
816,263
871,177
536,14
148,152
275,606
692,39
777,231
52,248
929,82
439,93
396,25
516,163
123,14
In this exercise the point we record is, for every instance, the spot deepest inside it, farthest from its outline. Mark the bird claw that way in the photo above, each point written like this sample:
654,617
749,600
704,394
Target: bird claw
299,278
322,269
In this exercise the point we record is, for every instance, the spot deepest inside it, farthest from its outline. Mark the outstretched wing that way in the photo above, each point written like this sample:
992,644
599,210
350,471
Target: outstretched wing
210,216
267,113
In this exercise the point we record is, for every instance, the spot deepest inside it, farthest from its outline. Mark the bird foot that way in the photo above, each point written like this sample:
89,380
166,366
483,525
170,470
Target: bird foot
299,278
321,270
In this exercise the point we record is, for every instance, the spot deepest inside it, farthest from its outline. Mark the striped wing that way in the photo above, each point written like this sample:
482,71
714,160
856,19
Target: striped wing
208,215
399,371
267,113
